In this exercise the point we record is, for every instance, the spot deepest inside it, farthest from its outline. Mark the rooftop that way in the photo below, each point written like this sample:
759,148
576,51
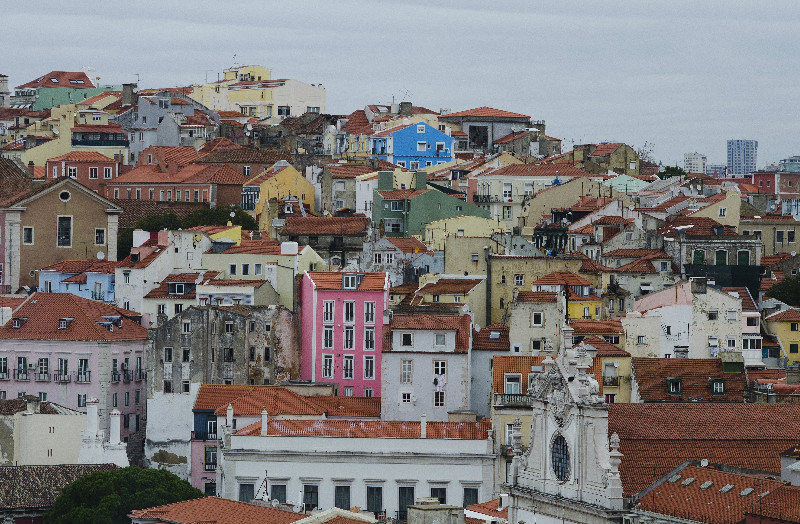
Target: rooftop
332,280
371,429
696,377
216,510
24,487
308,225
488,112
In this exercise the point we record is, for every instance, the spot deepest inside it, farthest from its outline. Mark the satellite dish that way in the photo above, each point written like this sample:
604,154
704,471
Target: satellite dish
704,462
101,255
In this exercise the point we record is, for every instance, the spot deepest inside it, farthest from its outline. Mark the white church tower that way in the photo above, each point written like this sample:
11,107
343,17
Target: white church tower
570,471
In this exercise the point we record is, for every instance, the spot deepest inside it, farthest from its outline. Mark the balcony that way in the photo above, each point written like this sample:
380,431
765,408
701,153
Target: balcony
512,400
115,376
127,376
210,467
83,377
42,377
99,143
21,375
4,375
611,381
62,377
139,375
202,435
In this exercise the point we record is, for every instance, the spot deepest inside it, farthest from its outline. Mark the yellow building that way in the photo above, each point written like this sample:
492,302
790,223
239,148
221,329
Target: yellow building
725,208
786,326
615,363
280,181
231,232
437,231
582,302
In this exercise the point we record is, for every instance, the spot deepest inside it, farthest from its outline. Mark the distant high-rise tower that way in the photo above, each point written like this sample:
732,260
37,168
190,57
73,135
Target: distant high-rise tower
694,162
742,156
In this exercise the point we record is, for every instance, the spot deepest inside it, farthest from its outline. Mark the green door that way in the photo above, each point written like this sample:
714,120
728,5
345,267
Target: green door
722,257
744,258
699,257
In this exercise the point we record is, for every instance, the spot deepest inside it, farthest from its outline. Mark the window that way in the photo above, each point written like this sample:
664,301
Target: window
99,236
405,499
475,258
396,205
114,400
792,348
406,371
717,387
167,354
722,212
228,354
470,496
231,269
405,398
127,399
349,311
438,399
375,499
327,310
92,172
793,326
347,368
731,315
246,171
178,308
790,236
228,326
439,339
162,309
55,172
389,258
536,318
674,386
406,340
107,172
27,235
341,497
246,492
245,269
439,493
779,236
258,269
421,129
350,281
506,212
369,392
82,400
327,337
284,111
369,368
349,335
422,146
64,231
369,338
278,492
186,354
640,339
72,172
369,312
378,258
713,314
327,366
512,384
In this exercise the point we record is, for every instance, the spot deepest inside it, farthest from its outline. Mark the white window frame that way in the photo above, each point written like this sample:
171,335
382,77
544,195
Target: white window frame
348,367
327,370
108,172
369,338
369,367
406,371
32,235
93,173
328,310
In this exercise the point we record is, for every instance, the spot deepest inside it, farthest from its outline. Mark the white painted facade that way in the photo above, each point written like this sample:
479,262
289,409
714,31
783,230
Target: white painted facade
170,424
41,439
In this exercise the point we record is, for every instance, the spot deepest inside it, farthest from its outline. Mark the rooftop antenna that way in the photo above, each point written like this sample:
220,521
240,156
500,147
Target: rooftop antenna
137,78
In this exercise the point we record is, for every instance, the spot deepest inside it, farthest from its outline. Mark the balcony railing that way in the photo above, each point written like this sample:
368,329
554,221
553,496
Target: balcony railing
127,375
512,399
4,375
62,377
42,377
21,375
139,375
115,376
210,467
83,377
611,381
202,435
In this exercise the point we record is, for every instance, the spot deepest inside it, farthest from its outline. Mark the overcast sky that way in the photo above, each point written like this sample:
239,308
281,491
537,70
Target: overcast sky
682,75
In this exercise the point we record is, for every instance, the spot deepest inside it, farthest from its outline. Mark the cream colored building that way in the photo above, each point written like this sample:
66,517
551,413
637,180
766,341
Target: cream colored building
249,90
725,210
437,231
39,433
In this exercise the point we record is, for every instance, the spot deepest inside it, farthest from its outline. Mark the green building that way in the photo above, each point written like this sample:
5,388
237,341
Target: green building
406,211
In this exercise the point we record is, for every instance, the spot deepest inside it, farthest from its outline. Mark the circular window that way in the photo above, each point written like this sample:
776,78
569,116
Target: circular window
64,196
560,451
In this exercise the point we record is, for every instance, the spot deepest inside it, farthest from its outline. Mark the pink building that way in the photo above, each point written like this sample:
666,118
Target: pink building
67,349
342,322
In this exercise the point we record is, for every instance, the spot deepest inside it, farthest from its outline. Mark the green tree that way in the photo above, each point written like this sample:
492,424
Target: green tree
670,171
106,497
220,216
787,291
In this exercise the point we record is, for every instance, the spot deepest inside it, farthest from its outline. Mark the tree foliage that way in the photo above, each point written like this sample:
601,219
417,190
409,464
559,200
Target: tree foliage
106,497
670,171
787,291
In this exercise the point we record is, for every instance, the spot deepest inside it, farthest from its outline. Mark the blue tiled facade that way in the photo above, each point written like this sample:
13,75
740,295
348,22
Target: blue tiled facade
414,146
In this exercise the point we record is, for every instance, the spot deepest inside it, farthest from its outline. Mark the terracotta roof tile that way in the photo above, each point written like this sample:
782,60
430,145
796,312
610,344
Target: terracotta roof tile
402,194
585,327
484,111
606,149
243,156
490,508
461,324
450,286
561,278
537,296
694,227
502,364
771,260
636,253
747,300
82,156
493,337
98,128
408,244
787,315
695,375
512,136
372,429
781,505
604,348
358,124
354,225
38,486
776,277
218,511
61,79
341,171
333,280
41,313
537,170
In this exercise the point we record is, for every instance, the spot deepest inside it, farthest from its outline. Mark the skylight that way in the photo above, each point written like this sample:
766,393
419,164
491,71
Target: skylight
54,80
726,488
707,484
675,478
687,481
494,335
746,491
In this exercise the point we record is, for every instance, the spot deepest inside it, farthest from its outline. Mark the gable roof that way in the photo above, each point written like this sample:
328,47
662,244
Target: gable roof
484,111
537,296
585,327
309,225
461,324
787,315
606,148
40,316
330,280
694,226
216,510
540,170
243,156
341,171
742,292
73,79
450,286
408,244
44,188
561,278
695,375
82,156
604,348
38,486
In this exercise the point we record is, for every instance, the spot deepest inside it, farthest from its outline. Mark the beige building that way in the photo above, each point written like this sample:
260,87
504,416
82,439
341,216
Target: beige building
537,319
436,232
33,432
778,233
724,208
437,289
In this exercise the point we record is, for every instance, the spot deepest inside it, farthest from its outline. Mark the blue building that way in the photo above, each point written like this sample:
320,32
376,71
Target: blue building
413,146
742,156
92,279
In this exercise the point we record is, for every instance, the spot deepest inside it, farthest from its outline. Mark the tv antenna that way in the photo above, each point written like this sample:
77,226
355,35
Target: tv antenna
137,78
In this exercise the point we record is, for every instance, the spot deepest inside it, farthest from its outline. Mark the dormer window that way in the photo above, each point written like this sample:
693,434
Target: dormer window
350,281
16,323
717,386
62,323
54,80
674,386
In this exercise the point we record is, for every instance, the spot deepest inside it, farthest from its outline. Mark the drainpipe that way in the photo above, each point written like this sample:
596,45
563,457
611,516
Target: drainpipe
488,284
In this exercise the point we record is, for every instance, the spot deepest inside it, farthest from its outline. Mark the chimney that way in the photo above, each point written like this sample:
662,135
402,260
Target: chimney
92,423
163,237
229,416
405,108
113,430
5,315
264,422
33,406
503,502
129,96
423,426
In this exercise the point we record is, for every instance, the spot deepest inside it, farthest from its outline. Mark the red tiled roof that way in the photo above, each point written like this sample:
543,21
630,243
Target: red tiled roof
775,278
514,135
484,111
489,508
636,253
502,364
218,511
243,156
219,143
333,280
91,265
100,96
787,315
695,375
583,327
781,505
657,437
358,124
747,301
461,324
402,194
341,171
450,286
537,296
605,348
408,244
387,132
561,278
82,156
606,149
180,155
372,429
694,227
91,128
41,313
534,170
492,337
771,260
338,406
62,79
27,487
354,225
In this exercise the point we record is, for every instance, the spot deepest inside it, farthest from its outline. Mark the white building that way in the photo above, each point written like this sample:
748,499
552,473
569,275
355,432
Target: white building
381,466
694,162
39,433
426,367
